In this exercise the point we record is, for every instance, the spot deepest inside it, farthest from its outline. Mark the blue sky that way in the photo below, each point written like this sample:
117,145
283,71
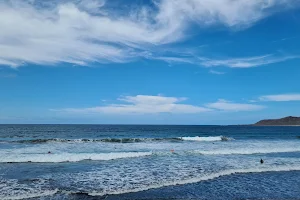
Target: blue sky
149,62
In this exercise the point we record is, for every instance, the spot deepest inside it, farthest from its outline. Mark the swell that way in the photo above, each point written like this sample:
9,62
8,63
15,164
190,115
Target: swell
109,140
120,140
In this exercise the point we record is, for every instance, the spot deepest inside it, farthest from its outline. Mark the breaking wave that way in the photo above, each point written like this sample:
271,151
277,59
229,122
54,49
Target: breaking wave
198,179
121,140
246,151
37,190
109,140
28,195
206,139
69,157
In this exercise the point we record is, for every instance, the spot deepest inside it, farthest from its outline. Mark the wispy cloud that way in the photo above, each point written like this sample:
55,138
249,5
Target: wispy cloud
146,104
284,39
247,62
224,105
142,104
84,31
280,97
253,101
216,72
188,60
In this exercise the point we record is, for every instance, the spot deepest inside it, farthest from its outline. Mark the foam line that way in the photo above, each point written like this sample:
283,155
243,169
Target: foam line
206,139
203,178
246,151
69,157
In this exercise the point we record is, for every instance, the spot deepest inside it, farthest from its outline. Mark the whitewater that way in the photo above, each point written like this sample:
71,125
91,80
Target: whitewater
70,160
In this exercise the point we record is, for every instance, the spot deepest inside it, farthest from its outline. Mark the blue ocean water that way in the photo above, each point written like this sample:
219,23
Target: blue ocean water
149,162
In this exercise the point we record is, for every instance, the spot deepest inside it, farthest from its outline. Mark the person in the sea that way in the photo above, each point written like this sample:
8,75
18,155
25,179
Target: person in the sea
261,161
49,152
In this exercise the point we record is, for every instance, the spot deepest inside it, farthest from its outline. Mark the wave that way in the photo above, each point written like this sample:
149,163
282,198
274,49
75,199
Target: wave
206,139
39,192
199,179
69,157
246,151
109,140
121,140
12,189
30,196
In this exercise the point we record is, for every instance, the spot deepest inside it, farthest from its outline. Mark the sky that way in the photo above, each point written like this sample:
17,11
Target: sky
149,61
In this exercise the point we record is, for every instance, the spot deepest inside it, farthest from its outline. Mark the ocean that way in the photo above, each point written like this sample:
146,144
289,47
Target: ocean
149,162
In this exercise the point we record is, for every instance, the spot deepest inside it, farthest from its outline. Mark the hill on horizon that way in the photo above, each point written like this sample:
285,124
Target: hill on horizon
286,121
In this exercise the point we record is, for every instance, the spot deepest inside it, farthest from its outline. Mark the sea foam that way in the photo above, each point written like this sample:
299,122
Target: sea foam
119,140
205,139
82,140
198,179
247,151
12,190
69,157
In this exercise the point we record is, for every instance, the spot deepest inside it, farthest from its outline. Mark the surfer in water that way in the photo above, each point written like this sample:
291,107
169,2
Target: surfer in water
261,161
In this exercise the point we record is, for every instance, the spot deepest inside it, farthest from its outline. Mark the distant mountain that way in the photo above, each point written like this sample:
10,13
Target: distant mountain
286,121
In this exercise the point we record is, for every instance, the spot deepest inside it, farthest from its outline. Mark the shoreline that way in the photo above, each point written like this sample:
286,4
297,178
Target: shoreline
218,188
235,186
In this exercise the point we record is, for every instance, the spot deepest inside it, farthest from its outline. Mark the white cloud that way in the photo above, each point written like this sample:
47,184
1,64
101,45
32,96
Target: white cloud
281,97
253,101
175,59
284,39
83,31
216,72
239,13
224,105
247,62
146,104
142,104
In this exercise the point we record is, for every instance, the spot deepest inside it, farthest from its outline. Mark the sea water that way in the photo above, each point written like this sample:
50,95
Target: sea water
114,161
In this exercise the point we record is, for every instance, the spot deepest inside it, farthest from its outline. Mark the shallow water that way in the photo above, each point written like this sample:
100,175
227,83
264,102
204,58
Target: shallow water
99,160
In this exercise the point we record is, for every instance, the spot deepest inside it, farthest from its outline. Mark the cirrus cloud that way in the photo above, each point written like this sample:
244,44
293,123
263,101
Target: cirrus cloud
224,105
85,31
147,104
216,72
247,62
142,104
281,97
